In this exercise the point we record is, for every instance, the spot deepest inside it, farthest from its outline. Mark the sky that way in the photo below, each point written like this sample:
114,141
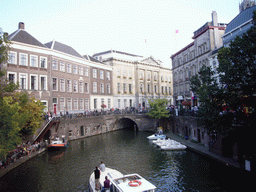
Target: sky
157,28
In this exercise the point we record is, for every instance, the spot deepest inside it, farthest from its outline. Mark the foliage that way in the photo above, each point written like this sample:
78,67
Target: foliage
19,114
158,108
4,47
211,100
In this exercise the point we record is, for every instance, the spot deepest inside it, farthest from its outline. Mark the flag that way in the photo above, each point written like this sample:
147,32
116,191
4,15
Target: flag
177,31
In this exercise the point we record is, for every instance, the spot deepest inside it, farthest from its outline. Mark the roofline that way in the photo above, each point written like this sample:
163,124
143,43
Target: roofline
248,21
56,53
183,49
206,29
114,51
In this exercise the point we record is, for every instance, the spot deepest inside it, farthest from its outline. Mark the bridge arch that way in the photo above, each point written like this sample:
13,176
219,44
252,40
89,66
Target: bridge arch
127,123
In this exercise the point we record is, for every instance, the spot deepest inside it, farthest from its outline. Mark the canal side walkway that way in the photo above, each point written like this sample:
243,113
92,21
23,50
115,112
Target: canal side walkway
19,161
197,147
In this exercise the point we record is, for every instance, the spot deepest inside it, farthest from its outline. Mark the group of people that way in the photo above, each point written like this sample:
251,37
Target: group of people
23,149
97,173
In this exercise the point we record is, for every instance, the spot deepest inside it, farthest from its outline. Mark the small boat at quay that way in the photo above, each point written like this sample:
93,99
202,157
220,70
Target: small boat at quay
122,183
169,144
57,143
156,136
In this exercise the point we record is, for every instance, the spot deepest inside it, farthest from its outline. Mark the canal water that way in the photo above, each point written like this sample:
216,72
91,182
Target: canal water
128,152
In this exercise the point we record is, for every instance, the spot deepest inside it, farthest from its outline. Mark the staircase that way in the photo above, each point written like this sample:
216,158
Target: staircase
43,130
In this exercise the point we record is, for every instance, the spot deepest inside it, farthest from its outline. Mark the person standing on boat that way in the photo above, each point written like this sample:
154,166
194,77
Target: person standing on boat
102,166
97,178
106,184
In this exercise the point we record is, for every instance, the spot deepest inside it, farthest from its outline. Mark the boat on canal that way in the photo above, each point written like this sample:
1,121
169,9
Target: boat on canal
57,144
156,136
122,183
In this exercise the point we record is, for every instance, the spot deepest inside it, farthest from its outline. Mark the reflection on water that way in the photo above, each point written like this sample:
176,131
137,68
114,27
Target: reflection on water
127,151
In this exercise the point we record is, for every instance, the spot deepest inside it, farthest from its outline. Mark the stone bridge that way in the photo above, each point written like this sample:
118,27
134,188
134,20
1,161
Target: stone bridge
81,126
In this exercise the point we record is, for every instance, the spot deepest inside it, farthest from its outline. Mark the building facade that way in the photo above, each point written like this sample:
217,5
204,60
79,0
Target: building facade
136,79
57,75
188,61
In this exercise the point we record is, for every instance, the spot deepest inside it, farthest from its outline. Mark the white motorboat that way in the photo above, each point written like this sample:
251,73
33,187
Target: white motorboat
169,144
157,136
174,147
122,183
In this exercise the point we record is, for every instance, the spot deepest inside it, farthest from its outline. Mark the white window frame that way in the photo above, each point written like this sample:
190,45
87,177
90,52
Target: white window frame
56,84
69,104
86,87
26,83
108,88
32,64
36,83
54,65
62,104
101,74
95,87
81,104
62,66
81,71
108,76
75,86
26,57
15,76
45,64
40,84
101,88
62,85
86,71
69,85
75,69
69,68
86,104
81,87
14,58
75,104
94,72
46,106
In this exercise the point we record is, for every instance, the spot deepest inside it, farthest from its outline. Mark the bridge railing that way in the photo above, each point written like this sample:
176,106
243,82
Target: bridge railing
104,113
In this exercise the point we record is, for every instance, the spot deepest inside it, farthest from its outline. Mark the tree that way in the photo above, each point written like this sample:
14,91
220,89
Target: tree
210,97
158,109
19,114
237,68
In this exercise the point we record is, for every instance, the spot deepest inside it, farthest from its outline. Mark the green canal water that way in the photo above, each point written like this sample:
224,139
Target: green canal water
128,152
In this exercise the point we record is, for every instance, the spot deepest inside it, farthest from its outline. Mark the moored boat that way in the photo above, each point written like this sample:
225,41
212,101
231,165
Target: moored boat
55,145
122,183
157,136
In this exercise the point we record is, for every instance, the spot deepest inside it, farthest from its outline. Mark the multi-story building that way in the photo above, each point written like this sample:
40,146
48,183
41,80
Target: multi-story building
57,75
237,27
136,79
191,58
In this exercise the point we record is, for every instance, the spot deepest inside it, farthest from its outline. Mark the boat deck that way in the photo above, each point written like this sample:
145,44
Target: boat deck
111,173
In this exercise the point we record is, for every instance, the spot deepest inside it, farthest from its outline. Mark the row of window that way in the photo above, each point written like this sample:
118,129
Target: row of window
77,86
36,82
69,104
35,61
25,60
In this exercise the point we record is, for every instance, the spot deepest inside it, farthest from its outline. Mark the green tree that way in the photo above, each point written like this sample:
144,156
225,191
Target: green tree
211,99
19,114
237,68
158,109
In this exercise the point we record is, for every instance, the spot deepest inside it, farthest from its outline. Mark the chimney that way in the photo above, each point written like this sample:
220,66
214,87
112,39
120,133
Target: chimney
21,25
